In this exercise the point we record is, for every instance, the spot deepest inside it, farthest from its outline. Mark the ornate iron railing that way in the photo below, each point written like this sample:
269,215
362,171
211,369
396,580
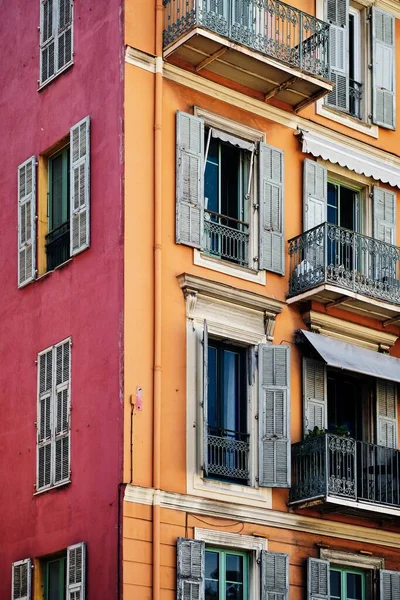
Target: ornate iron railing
355,96
329,465
225,237
228,453
331,254
267,26
57,246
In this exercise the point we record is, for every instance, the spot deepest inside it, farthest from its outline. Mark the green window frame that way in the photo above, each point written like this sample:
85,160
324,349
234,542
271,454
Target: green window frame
345,592
58,594
219,585
61,195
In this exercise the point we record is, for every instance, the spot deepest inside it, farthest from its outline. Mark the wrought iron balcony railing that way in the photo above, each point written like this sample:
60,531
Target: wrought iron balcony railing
332,466
331,254
227,238
271,27
57,246
228,453
355,96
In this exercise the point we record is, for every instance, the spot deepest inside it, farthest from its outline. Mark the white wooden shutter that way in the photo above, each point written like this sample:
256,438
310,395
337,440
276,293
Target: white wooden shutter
27,221
274,415
384,203
271,172
386,401
315,194
383,69
64,33
76,572
45,420
314,395
337,13
318,579
62,412
48,19
389,585
205,399
80,186
189,180
21,580
274,576
190,569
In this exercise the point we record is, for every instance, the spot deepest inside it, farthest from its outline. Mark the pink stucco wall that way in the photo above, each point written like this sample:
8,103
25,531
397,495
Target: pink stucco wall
82,300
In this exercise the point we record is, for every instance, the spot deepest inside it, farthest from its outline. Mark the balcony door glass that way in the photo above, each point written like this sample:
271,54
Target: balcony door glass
345,404
343,211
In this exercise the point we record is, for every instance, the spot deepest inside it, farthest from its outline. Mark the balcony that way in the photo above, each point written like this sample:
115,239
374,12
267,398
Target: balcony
341,473
334,266
226,238
269,47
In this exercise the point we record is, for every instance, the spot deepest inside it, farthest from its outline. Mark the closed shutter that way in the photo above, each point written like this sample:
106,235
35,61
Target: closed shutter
21,580
314,395
315,194
27,222
205,399
242,19
64,33
386,398
189,180
80,186
274,576
190,569
271,169
337,13
383,69
273,415
76,572
48,17
384,203
389,584
318,579
62,413
45,420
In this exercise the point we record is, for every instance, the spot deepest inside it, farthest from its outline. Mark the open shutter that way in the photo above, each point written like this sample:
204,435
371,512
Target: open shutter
384,202
189,179
337,14
76,572
271,169
64,33
48,16
386,399
27,222
315,194
314,395
62,412
21,580
190,569
45,419
205,399
80,186
274,576
389,584
274,418
318,579
383,69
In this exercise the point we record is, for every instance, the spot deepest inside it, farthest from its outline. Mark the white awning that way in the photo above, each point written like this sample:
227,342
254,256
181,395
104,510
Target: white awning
360,162
232,139
354,358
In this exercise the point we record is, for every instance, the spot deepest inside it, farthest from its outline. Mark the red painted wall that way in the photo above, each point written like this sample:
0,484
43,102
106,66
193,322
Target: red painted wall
82,300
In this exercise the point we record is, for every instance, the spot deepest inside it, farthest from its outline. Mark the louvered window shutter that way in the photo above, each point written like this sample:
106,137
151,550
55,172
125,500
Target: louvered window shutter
315,184
76,572
274,576
189,180
21,580
190,569
318,579
45,420
62,413
384,202
64,33
389,584
27,222
314,395
80,186
273,415
383,69
48,18
386,400
205,399
271,169
337,14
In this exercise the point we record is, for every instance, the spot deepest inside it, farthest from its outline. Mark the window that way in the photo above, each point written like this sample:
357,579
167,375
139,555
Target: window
347,584
56,20
55,577
57,240
226,575
229,194
53,424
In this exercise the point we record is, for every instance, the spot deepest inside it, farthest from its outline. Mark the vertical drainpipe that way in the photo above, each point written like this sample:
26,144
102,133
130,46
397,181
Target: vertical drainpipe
158,89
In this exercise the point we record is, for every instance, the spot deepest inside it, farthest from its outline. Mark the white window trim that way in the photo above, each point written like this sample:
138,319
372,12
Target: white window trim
351,559
42,84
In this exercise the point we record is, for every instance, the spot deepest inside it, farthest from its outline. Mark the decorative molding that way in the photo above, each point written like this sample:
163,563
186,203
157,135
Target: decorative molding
350,559
230,540
391,6
140,59
233,127
208,262
346,120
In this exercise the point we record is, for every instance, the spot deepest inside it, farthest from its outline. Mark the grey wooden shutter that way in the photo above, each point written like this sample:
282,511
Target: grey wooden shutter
318,579
274,415
386,401
48,17
383,69
21,580
190,569
337,14
189,179
76,572
384,208
205,399
45,420
80,186
389,585
64,33
62,412
271,173
314,395
274,576
315,194
27,221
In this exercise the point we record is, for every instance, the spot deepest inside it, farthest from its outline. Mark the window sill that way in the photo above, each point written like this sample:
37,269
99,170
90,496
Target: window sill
346,120
61,266
202,260
229,492
53,77
53,487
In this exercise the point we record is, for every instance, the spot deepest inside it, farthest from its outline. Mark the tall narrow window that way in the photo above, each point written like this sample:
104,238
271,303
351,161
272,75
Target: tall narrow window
58,238
56,19
55,578
347,584
226,575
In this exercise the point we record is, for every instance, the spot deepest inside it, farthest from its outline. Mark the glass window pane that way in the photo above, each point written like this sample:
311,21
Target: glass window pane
56,192
234,591
53,591
211,177
335,584
234,568
230,175
212,387
211,566
231,395
211,588
354,586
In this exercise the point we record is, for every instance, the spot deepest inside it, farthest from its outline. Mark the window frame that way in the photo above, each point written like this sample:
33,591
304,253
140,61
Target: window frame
222,553
343,570
370,565
62,559
57,72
